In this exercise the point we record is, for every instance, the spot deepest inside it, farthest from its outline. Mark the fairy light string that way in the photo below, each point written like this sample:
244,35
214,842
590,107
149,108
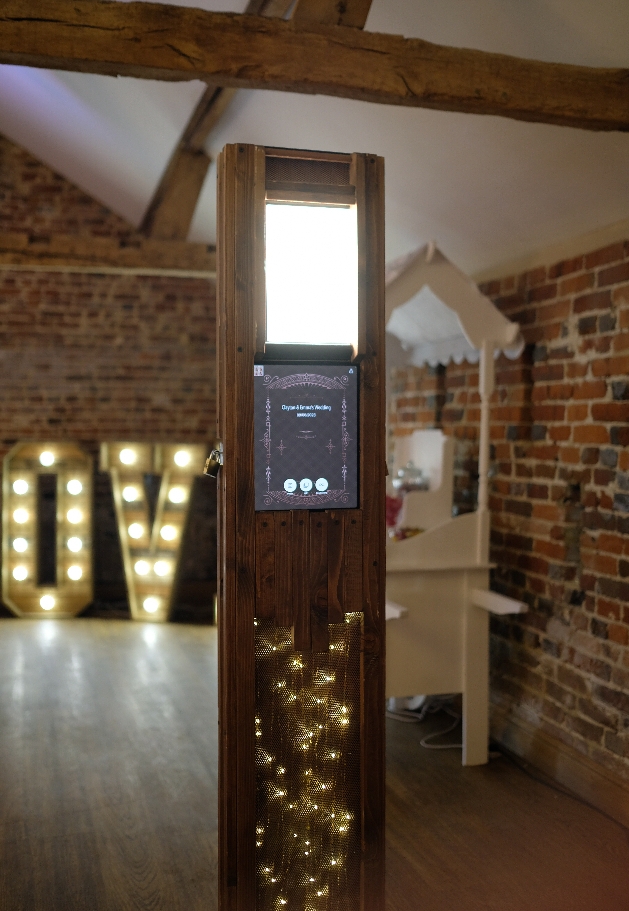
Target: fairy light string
307,770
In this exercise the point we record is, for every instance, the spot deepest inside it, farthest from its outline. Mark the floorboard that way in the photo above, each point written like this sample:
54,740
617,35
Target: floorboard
108,746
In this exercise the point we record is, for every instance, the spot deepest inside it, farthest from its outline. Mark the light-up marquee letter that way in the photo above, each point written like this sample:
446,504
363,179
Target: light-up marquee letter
47,542
150,550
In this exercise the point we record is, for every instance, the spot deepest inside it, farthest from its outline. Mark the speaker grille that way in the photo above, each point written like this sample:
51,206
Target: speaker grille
307,171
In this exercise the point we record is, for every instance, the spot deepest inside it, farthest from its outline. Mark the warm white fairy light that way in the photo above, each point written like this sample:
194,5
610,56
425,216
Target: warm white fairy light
162,568
130,493
75,573
75,544
142,567
47,602
177,494
47,458
20,573
182,458
21,516
128,456
74,487
20,545
20,487
74,516
136,530
151,605
168,532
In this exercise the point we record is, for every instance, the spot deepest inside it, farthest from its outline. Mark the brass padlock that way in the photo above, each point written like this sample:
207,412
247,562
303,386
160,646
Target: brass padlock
214,462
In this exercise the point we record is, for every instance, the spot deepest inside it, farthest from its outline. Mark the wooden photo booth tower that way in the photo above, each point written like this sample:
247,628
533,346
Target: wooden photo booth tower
301,540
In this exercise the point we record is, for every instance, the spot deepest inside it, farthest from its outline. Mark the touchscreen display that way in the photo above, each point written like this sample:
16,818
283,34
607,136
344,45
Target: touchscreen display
306,437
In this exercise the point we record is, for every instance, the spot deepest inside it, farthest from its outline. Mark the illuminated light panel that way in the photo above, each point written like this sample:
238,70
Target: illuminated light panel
20,573
298,240
142,567
20,545
20,487
182,458
74,487
162,568
74,516
168,532
75,544
136,530
75,573
151,605
21,516
177,494
130,494
47,458
128,456
47,602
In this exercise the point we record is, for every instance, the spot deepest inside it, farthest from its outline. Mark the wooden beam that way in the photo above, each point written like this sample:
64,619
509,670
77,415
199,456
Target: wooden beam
170,212
156,41
66,253
351,13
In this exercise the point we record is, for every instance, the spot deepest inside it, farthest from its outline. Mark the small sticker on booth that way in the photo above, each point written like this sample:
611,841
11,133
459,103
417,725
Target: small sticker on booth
258,369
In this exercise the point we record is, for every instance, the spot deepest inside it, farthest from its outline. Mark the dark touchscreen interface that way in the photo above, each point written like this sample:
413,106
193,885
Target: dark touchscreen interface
306,430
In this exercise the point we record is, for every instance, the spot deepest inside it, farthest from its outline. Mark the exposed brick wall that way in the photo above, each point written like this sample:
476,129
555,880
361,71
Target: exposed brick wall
559,495
105,357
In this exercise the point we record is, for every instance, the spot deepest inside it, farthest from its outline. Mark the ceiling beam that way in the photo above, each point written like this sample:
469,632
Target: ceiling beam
67,253
171,209
351,13
156,41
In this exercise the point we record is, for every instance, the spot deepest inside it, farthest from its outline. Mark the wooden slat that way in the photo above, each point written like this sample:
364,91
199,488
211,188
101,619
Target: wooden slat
265,565
330,12
302,641
336,559
140,256
284,569
157,41
351,577
319,581
368,178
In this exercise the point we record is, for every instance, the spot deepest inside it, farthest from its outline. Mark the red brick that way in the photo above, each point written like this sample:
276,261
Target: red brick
605,255
596,389
597,300
591,433
576,413
613,275
617,412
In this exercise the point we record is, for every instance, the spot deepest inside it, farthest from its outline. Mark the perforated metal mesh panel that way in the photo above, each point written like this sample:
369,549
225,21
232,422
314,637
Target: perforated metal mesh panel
306,170
308,770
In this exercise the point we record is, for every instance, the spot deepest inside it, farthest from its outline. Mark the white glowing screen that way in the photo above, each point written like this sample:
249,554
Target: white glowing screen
311,275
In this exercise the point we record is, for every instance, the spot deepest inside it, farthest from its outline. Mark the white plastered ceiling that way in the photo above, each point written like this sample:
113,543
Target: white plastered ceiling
487,189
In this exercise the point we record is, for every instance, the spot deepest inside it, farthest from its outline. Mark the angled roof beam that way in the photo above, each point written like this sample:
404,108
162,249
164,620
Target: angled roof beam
156,41
170,212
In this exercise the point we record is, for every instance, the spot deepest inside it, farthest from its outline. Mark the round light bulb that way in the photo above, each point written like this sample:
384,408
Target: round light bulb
20,486
128,456
75,545
74,516
74,487
182,458
20,544
130,494
75,573
177,494
21,516
47,459
142,567
47,602
136,530
150,605
168,532
20,573
162,567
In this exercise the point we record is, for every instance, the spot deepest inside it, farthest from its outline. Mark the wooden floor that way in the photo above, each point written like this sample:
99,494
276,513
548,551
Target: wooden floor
108,791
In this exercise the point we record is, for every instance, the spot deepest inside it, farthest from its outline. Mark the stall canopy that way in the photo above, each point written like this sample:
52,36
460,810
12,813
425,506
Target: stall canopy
435,313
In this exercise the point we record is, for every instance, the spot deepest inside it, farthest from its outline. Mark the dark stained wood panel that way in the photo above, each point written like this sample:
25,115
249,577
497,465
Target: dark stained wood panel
302,640
319,581
265,565
336,543
352,572
285,569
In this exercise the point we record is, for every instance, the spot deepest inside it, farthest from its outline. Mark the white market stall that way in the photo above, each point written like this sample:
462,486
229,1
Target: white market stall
438,597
